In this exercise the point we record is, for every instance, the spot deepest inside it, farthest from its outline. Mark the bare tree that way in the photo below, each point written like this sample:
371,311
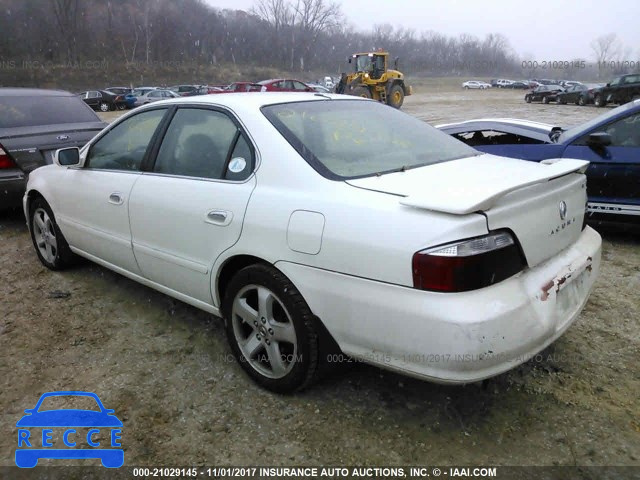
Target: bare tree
66,14
313,17
605,49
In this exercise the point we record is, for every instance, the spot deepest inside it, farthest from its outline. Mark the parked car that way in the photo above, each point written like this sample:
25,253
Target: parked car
33,124
620,90
503,83
238,87
188,90
543,93
611,142
579,94
285,85
319,88
519,84
155,96
476,84
103,100
386,240
127,93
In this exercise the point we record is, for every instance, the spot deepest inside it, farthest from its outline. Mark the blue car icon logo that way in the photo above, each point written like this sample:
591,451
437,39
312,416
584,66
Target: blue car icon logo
31,448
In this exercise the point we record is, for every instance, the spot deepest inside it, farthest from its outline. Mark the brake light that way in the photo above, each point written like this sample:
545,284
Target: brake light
5,159
467,265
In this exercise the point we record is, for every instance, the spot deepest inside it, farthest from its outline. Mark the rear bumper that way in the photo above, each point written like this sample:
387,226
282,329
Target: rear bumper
453,338
13,183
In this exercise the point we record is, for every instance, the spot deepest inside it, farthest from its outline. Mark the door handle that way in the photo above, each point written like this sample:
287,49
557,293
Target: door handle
219,217
116,198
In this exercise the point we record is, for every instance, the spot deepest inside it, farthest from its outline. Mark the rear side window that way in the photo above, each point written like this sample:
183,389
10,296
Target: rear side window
43,110
124,146
205,144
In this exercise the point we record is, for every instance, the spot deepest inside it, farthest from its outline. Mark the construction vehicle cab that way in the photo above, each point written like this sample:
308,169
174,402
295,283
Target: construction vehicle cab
372,78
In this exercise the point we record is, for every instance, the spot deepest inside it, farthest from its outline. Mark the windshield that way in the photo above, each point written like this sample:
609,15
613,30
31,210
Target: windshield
363,63
43,110
345,139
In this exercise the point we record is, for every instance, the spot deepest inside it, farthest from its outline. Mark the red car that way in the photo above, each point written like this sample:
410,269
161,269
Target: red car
285,85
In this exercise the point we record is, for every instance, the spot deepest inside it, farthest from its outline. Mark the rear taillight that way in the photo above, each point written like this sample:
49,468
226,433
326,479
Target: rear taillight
467,265
5,159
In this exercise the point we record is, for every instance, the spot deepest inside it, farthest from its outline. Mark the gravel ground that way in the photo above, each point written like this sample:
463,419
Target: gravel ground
166,369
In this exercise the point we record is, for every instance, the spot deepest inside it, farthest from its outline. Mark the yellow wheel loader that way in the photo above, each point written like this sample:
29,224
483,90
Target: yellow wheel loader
372,78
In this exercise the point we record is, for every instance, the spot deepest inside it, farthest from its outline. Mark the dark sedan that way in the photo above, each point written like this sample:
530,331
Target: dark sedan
579,94
103,100
611,142
33,125
543,93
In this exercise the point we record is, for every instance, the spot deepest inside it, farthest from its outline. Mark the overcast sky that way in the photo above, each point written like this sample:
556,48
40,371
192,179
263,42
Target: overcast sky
540,29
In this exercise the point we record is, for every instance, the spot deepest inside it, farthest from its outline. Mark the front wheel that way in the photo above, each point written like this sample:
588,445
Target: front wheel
271,330
361,92
545,99
599,101
51,247
396,96
582,101
103,107
527,99
121,106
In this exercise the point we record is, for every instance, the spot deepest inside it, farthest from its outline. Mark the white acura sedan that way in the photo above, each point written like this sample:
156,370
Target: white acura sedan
313,220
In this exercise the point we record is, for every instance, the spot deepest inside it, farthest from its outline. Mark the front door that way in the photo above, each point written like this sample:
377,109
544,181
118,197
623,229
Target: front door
94,199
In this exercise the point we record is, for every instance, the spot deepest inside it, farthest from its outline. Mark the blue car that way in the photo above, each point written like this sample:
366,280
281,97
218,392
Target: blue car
611,142
31,448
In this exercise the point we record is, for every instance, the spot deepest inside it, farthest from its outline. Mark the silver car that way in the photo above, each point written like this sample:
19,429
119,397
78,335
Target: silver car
154,96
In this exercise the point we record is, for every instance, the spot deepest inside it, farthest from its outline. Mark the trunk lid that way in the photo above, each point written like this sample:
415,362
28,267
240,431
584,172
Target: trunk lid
542,204
33,147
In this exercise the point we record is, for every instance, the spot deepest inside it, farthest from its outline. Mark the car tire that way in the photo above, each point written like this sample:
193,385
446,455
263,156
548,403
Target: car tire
581,101
561,101
271,329
51,246
396,96
121,106
527,98
599,101
466,87
103,107
545,100
361,92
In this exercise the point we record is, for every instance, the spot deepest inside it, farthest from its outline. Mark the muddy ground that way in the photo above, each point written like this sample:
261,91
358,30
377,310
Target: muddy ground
166,369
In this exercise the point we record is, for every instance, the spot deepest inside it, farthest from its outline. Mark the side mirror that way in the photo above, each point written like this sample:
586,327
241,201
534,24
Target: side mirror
66,157
599,139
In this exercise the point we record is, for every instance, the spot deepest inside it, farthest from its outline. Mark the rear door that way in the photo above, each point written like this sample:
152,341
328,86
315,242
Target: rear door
93,201
614,171
190,206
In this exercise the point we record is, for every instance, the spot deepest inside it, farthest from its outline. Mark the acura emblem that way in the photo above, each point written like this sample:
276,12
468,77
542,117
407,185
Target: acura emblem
62,137
563,209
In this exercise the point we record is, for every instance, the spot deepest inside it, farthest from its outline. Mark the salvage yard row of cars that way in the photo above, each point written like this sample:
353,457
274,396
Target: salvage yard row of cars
367,218
121,98
620,90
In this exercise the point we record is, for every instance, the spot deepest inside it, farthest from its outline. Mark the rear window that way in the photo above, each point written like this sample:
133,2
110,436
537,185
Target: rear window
344,139
40,110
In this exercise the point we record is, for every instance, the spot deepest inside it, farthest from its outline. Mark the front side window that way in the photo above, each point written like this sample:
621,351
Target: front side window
350,138
205,144
624,132
123,147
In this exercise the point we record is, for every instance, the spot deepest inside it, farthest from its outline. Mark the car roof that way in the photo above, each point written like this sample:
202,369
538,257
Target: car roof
535,130
256,101
33,92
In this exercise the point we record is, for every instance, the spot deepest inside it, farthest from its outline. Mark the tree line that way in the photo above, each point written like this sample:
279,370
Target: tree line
287,35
